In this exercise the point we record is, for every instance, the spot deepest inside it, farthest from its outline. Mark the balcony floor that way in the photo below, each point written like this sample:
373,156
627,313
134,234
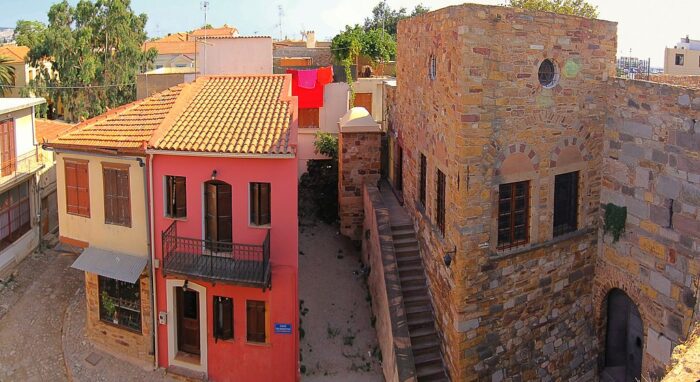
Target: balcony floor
216,268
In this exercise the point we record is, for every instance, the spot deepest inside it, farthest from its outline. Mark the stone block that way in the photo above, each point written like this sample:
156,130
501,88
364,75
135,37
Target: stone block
669,187
636,129
660,283
641,177
659,346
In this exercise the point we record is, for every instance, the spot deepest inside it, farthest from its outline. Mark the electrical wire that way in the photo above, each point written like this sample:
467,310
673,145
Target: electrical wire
68,87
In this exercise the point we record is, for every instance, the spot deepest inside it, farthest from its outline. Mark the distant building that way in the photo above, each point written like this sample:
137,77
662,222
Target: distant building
627,64
178,50
17,55
684,58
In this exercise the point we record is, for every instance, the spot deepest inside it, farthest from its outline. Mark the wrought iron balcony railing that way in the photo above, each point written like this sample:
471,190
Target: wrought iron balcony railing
235,263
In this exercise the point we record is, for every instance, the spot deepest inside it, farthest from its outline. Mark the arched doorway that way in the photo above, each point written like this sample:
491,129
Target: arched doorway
624,338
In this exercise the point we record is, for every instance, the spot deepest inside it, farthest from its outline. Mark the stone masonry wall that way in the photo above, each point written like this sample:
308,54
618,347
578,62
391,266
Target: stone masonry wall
485,120
358,164
113,338
652,159
686,81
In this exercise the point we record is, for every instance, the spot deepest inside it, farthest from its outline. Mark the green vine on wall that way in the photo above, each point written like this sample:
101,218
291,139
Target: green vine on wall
615,219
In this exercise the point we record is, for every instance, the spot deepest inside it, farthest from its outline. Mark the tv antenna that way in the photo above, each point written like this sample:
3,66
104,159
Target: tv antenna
280,13
204,6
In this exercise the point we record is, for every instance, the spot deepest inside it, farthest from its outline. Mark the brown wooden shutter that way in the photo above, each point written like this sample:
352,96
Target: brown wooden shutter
180,190
223,318
255,313
83,189
7,146
223,213
116,194
71,175
264,203
77,187
364,100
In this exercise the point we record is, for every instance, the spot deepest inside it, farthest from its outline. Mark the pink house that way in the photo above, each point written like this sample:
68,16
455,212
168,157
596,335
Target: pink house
224,214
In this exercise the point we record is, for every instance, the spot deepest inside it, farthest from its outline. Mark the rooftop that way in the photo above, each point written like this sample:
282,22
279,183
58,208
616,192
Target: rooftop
46,129
8,105
16,53
247,115
234,114
225,30
171,46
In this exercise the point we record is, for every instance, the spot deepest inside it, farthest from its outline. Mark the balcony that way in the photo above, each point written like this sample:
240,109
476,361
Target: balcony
234,263
20,166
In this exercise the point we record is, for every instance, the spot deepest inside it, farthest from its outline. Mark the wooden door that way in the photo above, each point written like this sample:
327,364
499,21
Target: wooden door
7,147
364,100
188,321
623,339
218,216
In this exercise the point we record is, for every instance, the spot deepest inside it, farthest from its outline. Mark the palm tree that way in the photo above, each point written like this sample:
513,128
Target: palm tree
7,75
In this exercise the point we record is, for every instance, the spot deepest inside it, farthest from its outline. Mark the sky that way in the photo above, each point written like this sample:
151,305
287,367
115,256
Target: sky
644,26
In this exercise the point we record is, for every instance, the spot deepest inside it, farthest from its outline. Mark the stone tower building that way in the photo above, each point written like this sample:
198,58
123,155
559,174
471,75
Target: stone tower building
473,112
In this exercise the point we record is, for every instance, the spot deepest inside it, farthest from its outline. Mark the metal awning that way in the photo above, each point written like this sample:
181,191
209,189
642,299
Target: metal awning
115,265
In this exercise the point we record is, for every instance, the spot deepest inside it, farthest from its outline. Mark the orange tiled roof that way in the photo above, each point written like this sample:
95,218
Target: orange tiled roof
171,47
179,36
16,53
125,128
48,130
223,31
234,114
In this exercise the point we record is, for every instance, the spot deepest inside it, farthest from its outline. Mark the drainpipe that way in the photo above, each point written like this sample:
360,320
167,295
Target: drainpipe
148,177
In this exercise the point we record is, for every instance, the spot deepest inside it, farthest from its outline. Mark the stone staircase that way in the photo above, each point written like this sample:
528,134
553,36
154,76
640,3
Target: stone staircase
419,312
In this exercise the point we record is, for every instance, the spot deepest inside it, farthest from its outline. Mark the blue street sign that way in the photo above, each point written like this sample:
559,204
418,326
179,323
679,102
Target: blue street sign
283,328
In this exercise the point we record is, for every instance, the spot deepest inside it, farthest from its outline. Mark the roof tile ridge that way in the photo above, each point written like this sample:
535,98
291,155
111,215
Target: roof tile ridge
187,94
105,116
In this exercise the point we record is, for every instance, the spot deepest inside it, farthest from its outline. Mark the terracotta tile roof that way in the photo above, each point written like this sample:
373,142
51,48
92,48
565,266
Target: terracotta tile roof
171,47
179,36
126,128
235,37
247,114
223,31
16,53
47,130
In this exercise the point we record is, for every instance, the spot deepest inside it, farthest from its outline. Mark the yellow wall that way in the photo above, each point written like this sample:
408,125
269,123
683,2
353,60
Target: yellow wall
93,229
691,64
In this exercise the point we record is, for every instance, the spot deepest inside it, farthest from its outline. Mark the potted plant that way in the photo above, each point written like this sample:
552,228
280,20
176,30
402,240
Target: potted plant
110,307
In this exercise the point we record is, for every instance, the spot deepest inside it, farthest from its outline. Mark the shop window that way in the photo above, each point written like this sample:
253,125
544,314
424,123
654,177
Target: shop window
223,318
513,214
120,303
175,196
255,322
565,203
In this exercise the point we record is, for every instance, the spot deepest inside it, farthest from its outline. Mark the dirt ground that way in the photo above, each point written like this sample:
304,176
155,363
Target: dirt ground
339,342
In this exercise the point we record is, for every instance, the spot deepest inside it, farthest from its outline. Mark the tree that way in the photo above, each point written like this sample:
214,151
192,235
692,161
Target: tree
29,33
383,17
566,7
89,56
7,74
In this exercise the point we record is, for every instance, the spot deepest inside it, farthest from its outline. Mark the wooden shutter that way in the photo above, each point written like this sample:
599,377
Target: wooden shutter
116,194
255,313
7,147
309,118
254,204
260,213
77,187
224,213
264,203
180,190
513,214
364,100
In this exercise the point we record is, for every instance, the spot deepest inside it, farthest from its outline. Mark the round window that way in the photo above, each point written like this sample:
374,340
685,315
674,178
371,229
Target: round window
432,67
548,74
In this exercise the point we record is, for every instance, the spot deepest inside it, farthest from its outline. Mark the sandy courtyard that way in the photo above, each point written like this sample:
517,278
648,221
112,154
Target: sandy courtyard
339,342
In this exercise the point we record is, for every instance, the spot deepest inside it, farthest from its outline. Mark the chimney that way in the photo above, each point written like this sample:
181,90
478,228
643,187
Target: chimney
310,39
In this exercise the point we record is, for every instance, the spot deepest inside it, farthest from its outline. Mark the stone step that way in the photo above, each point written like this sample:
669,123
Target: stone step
427,358
406,243
429,372
401,227
184,374
406,251
425,348
407,271
421,332
425,307
417,290
416,298
409,281
409,260
403,234
418,317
